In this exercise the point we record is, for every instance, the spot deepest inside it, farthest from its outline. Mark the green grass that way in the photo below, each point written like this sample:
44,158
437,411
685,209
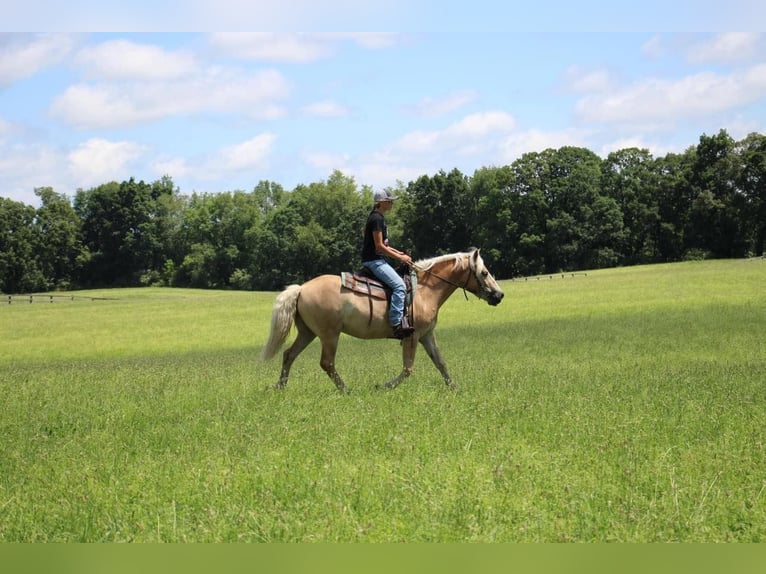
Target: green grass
625,405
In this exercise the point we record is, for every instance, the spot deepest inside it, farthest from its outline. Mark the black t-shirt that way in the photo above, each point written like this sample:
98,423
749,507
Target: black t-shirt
375,222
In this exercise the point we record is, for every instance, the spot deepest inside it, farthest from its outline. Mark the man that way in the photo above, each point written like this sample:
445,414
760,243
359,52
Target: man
374,251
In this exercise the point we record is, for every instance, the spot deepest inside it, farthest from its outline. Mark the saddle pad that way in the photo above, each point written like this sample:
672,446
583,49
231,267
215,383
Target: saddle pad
361,284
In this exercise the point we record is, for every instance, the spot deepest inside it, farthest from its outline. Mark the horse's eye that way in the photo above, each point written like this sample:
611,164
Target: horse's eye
484,273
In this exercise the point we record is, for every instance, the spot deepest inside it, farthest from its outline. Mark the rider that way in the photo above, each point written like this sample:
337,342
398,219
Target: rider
374,250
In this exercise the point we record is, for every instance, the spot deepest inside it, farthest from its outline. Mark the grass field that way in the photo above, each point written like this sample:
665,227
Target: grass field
621,405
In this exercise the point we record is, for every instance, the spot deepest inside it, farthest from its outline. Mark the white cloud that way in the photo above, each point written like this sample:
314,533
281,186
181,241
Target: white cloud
430,107
22,55
274,47
481,124
420,141
623,143
653,48
655,99
25,167
637,141
101,106
378,169
5,128
97,161
110,105
122,59
294,47
579,80
534,140
250,154
726,48
472,129
374,40
326,109
738,127
174,167
380,174
327,161
473,141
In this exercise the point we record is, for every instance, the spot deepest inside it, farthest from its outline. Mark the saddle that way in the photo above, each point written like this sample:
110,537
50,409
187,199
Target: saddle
363,281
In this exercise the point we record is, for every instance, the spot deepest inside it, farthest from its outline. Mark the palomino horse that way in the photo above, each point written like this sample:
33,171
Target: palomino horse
322,308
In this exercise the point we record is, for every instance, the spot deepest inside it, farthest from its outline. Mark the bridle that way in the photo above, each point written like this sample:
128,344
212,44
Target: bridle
464,286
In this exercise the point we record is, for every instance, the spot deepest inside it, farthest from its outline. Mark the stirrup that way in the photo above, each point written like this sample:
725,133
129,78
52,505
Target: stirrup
403,330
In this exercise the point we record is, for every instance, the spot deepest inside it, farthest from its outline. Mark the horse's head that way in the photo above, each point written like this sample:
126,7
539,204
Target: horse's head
485,285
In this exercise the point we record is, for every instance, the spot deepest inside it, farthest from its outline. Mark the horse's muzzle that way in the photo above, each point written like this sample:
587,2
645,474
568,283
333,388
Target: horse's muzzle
495,297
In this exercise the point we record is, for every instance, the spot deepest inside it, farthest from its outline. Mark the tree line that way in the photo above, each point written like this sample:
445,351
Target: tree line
557,210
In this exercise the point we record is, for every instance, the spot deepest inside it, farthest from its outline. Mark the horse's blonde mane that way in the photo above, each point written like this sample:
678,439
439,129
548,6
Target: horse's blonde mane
428,263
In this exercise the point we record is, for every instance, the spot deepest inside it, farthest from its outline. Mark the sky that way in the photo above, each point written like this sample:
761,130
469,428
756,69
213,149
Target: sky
223,111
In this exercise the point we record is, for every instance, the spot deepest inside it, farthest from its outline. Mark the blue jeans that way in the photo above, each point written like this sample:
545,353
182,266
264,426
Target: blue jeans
383,271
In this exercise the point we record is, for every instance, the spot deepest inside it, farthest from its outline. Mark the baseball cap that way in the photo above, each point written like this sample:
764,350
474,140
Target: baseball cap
383,195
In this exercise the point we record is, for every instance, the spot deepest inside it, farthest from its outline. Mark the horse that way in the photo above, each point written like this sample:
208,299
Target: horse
323,308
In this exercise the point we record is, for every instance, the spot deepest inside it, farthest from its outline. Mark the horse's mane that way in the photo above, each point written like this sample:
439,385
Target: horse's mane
428,263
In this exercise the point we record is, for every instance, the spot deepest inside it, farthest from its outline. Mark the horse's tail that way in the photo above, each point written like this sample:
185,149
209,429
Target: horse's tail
282,317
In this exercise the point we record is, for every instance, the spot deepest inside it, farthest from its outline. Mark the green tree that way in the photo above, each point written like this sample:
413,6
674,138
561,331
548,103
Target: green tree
275,251
19,249
216,228
263,269
531,205
58,229
441,213
320,227
199,268
717,209
168,218
630,178
751,152
573,184
122,226
567,222
673,196
497,219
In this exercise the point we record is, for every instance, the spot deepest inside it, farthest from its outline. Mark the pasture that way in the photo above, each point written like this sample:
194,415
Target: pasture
622,405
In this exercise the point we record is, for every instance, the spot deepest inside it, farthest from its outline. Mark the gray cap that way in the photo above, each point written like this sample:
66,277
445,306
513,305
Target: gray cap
383,195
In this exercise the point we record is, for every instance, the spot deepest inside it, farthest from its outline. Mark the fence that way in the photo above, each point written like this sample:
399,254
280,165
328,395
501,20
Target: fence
550,276
51,298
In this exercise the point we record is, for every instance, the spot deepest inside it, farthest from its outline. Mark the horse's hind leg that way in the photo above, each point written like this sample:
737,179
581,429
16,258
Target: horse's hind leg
327,362
305,336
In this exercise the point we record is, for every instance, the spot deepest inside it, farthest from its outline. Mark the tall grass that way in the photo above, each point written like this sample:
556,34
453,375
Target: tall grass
625,405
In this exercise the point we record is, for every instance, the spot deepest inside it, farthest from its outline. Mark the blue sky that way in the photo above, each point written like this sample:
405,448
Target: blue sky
222,111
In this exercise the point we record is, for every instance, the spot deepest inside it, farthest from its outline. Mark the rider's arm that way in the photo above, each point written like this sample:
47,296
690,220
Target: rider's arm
383,249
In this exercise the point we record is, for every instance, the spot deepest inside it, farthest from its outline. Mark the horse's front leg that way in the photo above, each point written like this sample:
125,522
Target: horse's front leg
429,343
409,346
